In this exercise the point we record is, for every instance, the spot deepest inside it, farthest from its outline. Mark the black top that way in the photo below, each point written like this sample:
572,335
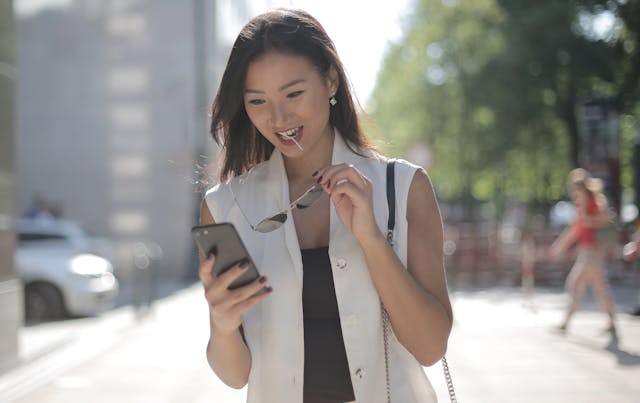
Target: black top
326,370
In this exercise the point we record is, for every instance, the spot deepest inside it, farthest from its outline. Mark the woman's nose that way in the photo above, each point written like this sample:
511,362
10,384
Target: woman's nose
278,114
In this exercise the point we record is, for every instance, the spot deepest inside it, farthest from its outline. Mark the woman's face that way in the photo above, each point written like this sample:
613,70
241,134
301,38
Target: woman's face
285,94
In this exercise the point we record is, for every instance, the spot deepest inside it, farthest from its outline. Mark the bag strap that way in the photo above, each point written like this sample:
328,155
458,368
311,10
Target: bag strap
391,223
391,199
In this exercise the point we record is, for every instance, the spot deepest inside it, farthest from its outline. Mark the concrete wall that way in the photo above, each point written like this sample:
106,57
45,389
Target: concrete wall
112,115
107,122
10,287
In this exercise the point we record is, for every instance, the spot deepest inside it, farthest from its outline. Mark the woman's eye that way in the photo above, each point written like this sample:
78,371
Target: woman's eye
294,94
256,101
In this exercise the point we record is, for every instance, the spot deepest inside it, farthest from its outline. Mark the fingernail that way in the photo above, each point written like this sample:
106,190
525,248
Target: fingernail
329,183
269,289
244,265
262,280
315,173
210,255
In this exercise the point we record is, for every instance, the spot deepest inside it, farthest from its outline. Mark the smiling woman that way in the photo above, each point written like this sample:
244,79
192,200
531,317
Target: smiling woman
292,146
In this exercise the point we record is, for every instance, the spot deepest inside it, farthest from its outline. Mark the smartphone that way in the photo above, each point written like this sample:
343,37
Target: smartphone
223,240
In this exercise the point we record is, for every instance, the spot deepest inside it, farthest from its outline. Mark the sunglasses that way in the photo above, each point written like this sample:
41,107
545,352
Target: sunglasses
275,221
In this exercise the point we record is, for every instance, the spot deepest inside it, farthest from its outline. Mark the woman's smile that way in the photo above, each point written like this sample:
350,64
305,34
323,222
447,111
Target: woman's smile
291,137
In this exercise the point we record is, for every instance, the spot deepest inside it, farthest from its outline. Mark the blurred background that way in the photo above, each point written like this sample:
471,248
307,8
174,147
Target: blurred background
104,158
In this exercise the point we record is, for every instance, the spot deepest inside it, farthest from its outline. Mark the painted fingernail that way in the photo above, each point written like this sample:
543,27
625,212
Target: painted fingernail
269,289
315,173
329,183
262,280
244,265
319,179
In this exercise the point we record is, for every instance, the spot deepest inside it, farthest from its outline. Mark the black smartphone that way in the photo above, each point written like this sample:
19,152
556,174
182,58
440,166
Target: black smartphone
223,240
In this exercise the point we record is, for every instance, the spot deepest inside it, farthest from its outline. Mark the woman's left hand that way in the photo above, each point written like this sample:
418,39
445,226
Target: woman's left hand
351,193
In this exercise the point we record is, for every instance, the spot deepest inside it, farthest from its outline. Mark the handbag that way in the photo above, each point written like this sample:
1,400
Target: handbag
386,323
607,235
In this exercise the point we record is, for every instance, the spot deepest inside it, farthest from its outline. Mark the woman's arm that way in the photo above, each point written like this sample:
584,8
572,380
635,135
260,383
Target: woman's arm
227,353
416,298
567,237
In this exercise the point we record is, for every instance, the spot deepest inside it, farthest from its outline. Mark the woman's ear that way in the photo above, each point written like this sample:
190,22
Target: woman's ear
333,80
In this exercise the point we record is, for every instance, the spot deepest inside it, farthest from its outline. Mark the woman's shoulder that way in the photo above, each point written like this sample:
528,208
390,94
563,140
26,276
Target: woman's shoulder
217,200
402,167
220,197
254,175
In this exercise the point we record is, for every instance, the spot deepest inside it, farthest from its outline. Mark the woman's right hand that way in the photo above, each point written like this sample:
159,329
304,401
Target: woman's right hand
226,306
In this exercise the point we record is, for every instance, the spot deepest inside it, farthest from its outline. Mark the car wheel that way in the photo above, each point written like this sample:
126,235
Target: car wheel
43,301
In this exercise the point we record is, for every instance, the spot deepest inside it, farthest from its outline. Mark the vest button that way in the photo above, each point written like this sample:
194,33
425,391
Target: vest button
350,320
341,264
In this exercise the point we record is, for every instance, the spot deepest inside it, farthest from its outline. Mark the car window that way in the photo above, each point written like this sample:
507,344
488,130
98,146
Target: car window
33,236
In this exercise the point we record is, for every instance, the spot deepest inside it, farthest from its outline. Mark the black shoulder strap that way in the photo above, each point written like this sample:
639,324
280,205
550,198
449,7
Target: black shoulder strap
391,198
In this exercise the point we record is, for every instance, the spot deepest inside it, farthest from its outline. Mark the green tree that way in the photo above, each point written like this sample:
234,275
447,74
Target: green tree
494,88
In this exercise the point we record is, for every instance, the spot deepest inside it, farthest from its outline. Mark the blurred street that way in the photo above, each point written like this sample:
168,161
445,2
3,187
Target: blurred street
500,351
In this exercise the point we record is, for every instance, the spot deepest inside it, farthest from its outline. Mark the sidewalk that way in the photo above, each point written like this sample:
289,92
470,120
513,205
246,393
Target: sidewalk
499,351
120,357
502,351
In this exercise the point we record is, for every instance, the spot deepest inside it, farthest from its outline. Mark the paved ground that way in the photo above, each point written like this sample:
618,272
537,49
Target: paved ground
500,351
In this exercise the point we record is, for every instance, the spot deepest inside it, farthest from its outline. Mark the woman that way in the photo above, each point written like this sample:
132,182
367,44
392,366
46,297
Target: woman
591,214
630,256
287,123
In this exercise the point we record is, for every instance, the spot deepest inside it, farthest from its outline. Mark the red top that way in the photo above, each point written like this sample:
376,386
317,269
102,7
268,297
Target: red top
587,235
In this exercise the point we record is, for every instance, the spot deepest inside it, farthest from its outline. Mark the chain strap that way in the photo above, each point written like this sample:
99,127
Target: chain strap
447,377
386,321
391,223
385,326
445,366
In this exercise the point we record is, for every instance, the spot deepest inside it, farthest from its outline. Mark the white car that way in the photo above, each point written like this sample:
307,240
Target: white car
60,270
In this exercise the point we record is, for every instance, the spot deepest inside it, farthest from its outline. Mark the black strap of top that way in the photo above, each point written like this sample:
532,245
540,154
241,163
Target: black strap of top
391,198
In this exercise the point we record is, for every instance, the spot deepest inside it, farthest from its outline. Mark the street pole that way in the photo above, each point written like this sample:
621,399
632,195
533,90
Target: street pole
600,145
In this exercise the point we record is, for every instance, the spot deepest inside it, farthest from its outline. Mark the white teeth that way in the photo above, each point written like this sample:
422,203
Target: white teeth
289,133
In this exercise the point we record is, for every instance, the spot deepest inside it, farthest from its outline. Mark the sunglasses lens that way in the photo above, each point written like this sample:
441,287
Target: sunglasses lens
272,223
309,198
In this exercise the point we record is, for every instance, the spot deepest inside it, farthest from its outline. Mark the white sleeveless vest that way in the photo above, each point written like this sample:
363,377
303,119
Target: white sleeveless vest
274,328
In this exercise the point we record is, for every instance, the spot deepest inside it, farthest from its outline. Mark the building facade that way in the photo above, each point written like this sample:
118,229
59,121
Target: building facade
10,288
112,117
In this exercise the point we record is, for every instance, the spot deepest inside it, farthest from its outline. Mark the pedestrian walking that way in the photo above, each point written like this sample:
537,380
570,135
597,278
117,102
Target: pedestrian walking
527,265
631,255
588,270
287,123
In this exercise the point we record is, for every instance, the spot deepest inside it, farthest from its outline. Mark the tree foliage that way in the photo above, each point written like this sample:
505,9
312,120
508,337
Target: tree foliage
494,88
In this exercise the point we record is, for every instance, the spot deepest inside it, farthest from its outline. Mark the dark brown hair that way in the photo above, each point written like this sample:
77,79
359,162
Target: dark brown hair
288,31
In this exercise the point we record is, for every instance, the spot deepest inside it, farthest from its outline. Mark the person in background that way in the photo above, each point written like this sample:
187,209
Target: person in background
631,254
588,270
40,209
528,265
293,151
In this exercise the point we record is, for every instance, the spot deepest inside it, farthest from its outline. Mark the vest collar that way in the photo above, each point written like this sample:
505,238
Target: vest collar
278,186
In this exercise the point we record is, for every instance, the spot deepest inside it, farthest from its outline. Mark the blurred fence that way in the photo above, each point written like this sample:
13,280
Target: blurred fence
491,254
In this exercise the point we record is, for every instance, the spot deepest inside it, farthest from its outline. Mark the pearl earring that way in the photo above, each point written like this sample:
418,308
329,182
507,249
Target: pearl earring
333,101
